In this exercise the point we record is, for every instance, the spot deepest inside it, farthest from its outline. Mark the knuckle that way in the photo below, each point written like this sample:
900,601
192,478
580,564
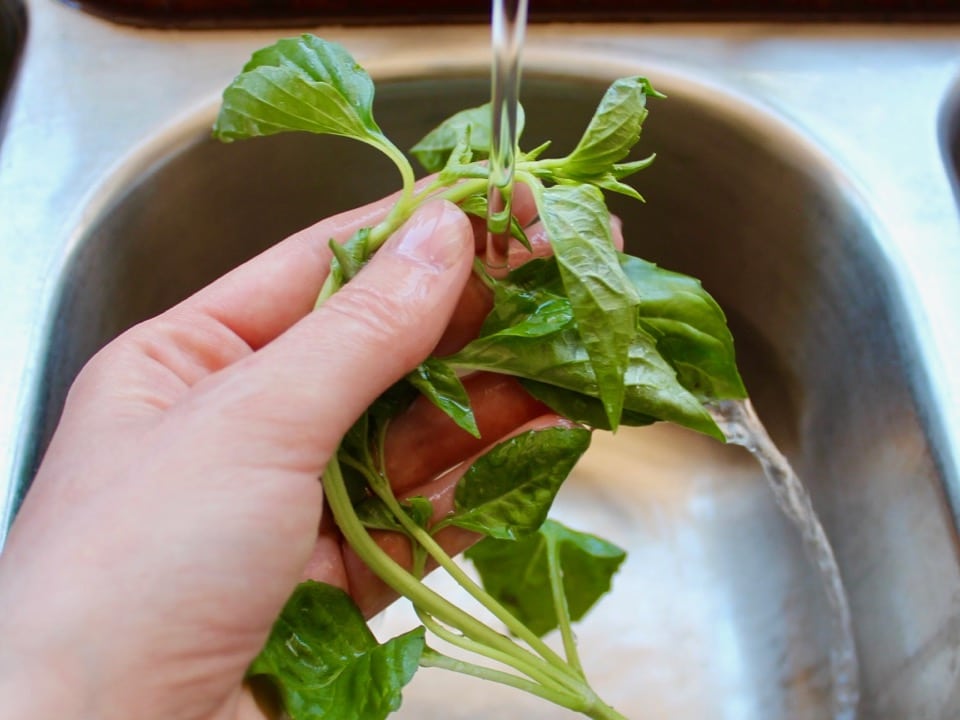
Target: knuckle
373,314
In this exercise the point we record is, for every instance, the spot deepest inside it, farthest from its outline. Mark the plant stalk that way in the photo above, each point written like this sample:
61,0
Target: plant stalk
399,579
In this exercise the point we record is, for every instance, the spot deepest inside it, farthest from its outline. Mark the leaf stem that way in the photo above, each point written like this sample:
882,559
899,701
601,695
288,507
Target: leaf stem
403,165
432,658
530,665
401,212
466,582
395,576
561,607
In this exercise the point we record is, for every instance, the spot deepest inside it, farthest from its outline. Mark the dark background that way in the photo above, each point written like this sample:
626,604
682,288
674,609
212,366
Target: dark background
251,13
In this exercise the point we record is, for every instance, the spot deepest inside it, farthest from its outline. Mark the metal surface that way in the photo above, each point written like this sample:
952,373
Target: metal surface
802,174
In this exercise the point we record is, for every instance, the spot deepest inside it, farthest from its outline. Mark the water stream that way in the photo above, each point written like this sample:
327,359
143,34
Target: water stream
740,424
737,419
509,24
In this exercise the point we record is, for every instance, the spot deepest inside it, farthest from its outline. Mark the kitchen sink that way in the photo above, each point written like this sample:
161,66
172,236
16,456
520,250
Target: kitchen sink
836,279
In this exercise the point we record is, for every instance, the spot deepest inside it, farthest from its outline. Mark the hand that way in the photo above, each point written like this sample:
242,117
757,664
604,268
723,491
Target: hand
179,504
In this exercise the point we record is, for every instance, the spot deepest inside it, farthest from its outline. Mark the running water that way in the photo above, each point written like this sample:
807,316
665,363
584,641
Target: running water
741,426
736,419
509,24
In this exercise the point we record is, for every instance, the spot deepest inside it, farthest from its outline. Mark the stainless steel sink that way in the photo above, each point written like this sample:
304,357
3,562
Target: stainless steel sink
799,175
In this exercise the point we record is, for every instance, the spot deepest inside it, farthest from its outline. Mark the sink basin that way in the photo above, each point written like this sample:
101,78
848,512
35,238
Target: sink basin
824,224
718,613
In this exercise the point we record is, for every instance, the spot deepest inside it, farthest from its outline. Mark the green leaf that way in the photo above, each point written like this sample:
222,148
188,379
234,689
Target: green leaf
304,84
516,573
581,408
459,157
349,257
375,514
602,298
358,449
508,492
323,62
440,384
327,664
613,130
514,341
394,400
354,454
536,152
529,309
690,330
434,150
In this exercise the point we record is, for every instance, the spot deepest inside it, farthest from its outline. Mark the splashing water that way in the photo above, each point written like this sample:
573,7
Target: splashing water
509,24
741,426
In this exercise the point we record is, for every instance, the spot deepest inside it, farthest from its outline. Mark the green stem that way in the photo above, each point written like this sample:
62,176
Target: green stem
403,165
599,710
536,670
562,608
432,658
466,582
399,579
463,190
400,213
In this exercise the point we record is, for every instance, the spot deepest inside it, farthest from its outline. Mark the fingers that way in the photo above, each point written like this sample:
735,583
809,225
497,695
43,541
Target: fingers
266,295
291,402
423,442
476,301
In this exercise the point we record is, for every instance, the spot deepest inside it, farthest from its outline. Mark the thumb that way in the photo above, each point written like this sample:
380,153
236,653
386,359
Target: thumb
294,399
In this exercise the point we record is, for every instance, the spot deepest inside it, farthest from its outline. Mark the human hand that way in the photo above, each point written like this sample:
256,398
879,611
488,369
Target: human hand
179,503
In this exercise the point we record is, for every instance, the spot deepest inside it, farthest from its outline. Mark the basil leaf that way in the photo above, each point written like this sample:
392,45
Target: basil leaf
508,491
420,509
531,311
349,257
581,408
690,330
375,514
323,62
651,385
613,130
304,84
440,384
434,150
394,400
354,453
515,343
327,664
603,299
518,575
536,152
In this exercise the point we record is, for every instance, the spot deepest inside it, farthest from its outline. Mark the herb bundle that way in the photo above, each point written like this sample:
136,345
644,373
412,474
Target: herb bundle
602,338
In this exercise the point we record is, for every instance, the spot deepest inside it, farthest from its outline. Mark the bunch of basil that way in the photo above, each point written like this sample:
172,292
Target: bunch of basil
600,337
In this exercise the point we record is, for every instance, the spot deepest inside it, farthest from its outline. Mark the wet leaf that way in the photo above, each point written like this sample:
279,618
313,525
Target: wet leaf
326,663
517,573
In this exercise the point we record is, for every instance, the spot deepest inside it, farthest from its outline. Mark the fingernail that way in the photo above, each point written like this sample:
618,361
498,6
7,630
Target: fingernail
436,235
